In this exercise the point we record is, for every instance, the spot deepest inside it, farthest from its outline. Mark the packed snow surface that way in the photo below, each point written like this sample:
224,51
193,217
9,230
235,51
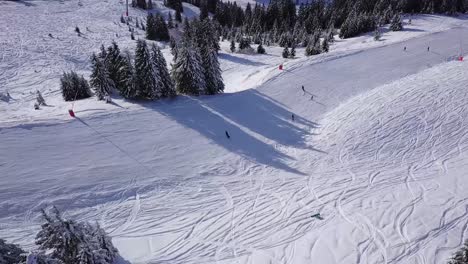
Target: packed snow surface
379,151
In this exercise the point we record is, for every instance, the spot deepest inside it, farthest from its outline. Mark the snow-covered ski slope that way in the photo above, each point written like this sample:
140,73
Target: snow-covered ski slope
32,60
380,153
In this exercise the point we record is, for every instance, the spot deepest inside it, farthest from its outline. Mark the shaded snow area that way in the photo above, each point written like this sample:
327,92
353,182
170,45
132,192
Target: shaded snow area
378,147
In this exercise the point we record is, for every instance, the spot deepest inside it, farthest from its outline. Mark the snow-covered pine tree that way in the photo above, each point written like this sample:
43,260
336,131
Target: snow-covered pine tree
396,25
10,253
60,236
150,27
292,53
203,12
170,21
129,89
178,16
233,46
461,256
114,64
377,34
74,87
260,49
313,47
40,100
167,88
148,82
99,79
212,71
160,28
102,53
325,45
187,71
73,242
285,53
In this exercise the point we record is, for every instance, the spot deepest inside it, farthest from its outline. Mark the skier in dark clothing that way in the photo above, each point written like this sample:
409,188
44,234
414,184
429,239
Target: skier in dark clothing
428,48
312,97
292,117
227,134
404,48
303,89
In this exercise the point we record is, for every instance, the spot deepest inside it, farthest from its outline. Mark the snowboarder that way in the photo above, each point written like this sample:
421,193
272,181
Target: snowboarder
404,48
292,117
312,97
428,48
227,134
303,89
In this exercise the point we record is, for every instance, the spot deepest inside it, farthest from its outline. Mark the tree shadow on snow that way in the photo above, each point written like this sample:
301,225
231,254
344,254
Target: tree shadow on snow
241,114
239,60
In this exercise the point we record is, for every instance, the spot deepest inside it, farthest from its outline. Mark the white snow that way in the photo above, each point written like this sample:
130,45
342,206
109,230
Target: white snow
380,153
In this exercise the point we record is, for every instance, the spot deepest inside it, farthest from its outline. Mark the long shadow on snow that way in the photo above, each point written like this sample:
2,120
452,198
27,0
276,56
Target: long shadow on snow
265,116
211,116
225,56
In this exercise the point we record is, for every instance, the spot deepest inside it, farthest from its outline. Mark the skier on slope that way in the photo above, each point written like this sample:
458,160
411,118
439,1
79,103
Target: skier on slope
227,134
428,48
404,49
303,89
292,117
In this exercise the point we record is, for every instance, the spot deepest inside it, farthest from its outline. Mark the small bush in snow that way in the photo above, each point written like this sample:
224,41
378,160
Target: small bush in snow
74,87
10,253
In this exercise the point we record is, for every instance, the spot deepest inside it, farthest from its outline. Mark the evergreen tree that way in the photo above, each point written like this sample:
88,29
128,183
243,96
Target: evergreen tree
147,81
141,4
233,46
178,16
74,87
156,28
260,49
160,69
377,34
292,54
325,45
203,12
10,253
187,71
396,25
313,47
150,27
100,80
72,242
285,52
244,44
461,256
212,72
114,64
129,89
170,22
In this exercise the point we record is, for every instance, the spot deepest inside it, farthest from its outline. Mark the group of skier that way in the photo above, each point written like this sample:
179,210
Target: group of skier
428,48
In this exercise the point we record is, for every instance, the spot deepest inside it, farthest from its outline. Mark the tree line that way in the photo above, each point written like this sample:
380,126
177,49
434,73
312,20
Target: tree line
195,67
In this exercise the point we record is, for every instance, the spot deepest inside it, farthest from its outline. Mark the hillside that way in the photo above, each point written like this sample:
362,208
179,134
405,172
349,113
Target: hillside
379,153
